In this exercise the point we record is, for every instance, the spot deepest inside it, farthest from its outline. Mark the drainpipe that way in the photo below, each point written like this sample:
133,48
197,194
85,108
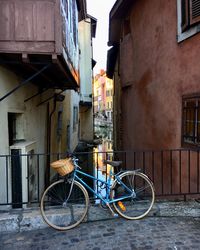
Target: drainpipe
47,172
57,98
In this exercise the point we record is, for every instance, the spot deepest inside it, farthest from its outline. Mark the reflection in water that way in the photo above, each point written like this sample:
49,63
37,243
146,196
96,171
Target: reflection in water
103,125
102,171
99,188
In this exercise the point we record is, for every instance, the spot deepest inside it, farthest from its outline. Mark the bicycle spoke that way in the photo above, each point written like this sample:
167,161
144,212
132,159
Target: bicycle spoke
139,190
65,209
141,202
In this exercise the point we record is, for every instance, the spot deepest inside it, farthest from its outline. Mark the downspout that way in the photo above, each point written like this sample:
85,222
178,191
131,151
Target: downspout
47,172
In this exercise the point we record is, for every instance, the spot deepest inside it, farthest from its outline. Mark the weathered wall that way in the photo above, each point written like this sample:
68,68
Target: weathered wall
32,125
161,72
34,117
86,113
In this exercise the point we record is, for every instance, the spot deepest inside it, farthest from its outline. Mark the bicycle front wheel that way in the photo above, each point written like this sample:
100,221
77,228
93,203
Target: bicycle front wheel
64,204
140,194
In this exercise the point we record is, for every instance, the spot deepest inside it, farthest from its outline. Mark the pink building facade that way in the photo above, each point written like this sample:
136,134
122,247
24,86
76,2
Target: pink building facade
154,62
159,74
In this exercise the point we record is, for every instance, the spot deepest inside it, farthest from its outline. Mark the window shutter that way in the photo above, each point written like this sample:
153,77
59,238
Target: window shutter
194,11
184,15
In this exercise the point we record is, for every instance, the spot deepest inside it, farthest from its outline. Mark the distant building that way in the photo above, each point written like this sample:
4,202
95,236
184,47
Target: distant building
103,110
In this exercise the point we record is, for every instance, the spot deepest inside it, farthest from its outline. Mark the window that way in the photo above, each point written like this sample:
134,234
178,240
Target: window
184,15
188,18
65,4
75,21
190,12
75,117
191,121
98,92
59,123
15,127
126,27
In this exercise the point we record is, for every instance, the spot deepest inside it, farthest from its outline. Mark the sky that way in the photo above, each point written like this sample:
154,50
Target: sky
100,9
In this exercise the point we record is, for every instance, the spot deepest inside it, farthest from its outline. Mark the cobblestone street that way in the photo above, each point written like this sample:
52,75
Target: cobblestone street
149,233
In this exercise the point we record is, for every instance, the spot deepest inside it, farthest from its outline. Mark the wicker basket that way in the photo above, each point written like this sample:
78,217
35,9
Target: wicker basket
63,166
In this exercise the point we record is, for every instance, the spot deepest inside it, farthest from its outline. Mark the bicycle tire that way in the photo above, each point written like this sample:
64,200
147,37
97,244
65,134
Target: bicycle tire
64,206
133,208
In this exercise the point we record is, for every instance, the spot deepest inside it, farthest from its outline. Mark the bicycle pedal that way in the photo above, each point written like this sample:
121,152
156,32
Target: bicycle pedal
115,215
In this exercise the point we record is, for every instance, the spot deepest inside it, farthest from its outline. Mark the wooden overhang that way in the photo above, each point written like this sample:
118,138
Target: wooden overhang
56,75
93,25
111,61
117,13
82,9
31,44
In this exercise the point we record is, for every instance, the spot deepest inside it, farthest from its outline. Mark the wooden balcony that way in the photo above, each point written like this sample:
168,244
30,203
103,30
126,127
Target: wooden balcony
35,36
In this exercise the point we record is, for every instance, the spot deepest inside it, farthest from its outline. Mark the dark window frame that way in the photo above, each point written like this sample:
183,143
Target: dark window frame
191,121
74,25
194,11
190,14
65,4
59,123
75,117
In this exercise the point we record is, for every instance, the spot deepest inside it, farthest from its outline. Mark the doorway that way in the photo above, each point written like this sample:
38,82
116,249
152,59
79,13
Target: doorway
16,134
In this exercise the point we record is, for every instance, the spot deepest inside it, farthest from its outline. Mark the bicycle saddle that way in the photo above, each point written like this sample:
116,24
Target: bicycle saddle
113,163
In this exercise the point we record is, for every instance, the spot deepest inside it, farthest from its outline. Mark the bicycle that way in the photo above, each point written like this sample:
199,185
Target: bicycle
64,204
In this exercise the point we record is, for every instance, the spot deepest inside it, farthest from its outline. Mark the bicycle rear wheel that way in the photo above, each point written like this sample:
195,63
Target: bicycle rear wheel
141,195
64,204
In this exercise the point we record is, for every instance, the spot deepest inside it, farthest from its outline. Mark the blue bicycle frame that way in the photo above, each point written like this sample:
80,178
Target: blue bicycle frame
107,199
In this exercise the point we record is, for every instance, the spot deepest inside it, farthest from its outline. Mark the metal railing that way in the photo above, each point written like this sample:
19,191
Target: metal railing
174,173
24,177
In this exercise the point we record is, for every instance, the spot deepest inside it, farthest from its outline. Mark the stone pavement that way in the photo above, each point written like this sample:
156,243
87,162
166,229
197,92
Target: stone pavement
170,225
30,219
113,234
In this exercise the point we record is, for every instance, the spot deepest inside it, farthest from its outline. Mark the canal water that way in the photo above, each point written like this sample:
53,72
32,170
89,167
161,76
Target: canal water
103,152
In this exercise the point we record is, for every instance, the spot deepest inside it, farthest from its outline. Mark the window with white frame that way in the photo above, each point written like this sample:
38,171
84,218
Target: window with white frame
188,13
